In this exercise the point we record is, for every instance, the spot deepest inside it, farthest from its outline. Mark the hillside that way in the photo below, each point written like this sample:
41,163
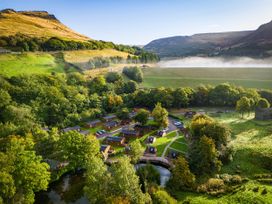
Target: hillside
193,45
38,24
256,43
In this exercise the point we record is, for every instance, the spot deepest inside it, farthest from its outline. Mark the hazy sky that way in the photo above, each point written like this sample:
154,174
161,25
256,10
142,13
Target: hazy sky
140,21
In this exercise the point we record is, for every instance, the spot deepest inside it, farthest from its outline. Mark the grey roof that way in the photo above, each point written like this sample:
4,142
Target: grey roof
111,123
129,132
114,139
93,122
71,128
103,147
109,117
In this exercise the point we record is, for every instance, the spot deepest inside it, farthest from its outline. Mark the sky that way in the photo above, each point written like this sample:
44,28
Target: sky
137,22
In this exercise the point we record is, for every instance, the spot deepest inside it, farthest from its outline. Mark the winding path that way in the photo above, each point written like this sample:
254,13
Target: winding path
170,143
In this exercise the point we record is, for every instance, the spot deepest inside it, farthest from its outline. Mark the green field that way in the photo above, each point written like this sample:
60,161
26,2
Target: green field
193,77
29,63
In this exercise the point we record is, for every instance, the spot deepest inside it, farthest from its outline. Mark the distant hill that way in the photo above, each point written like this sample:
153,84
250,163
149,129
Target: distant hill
38,24
244,43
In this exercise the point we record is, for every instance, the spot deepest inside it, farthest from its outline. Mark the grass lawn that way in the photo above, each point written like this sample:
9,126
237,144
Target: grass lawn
192,77
251,141
29,63
179,146
161,142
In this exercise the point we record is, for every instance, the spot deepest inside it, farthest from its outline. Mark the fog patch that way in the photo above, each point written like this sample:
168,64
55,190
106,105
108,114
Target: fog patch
216,62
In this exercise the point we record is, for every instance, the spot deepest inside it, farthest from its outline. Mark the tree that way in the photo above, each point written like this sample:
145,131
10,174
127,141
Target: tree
76,148
126,182
112,77
181,98
104,185
204,156
263,103
142,116
112,102
160,115
136,151
22,171
5,98
98,181
181,177
134,73
123,114
243,105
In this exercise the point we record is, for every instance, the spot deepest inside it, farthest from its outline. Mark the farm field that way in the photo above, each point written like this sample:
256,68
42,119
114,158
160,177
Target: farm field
193,77
30,63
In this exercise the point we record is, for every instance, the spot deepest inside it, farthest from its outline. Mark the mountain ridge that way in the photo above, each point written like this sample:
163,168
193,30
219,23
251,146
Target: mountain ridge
242,43
38,24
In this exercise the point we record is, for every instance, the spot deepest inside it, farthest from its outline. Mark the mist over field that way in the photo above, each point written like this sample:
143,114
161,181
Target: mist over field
216,62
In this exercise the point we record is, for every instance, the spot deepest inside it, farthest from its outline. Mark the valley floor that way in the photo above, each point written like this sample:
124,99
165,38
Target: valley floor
193,77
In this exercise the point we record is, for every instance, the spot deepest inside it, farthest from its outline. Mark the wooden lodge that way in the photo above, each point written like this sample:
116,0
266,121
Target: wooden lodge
115,140
92,124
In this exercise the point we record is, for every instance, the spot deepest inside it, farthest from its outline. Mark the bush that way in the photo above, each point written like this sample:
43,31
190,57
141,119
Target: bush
212,187
112,77
134,73
162,197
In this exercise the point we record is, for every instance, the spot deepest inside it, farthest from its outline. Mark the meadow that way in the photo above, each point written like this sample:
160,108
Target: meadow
192,77
30,63
251,141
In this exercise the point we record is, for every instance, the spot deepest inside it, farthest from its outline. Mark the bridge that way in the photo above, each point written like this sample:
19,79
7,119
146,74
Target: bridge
156,160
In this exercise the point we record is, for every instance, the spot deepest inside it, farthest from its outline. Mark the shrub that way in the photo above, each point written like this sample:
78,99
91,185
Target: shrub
162,197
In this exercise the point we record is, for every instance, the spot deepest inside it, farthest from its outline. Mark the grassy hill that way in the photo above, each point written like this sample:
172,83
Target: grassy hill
30,63
38,24
192,77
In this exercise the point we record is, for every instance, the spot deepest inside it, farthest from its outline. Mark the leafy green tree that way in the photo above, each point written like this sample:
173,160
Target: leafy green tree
98,181
76,148
142,116
112,77
263,103
204,158
243,106
98,85
22,171
123,114
136,151
5,98
224,95
181,98
130,87
181,177
126,182
112,102
134,73
160,115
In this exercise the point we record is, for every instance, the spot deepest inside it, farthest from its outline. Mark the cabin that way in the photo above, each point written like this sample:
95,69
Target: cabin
108,118
84,132
115,140
105,150
130,133
189,114
173,154
151,139
263,114
131,115
92,124
151,150
161,133
4,51
111,124
75,128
